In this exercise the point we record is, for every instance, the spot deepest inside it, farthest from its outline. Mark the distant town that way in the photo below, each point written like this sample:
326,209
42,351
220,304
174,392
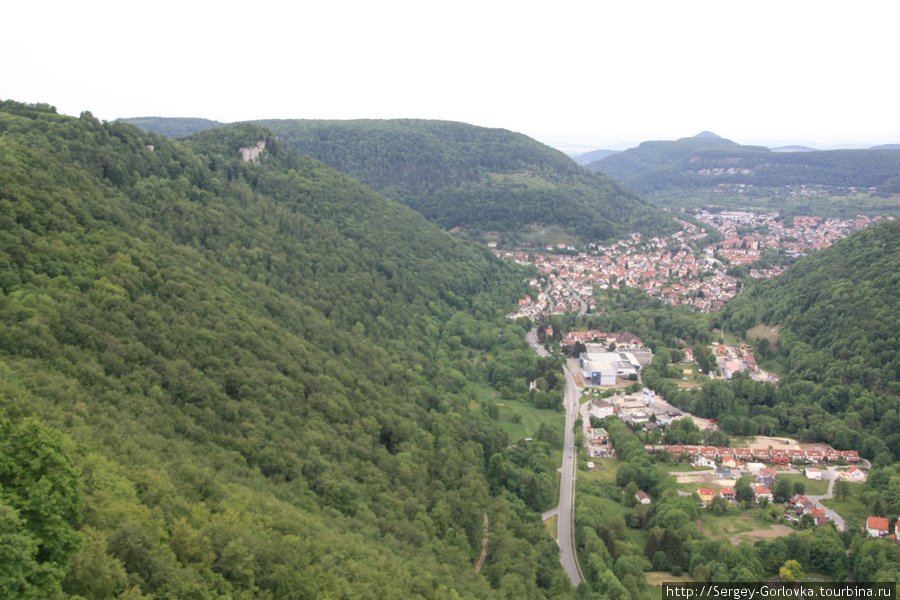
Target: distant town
678,269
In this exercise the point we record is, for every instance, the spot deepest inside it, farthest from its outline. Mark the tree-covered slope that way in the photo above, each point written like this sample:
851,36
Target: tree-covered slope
474,178
839,342
220,379
657,168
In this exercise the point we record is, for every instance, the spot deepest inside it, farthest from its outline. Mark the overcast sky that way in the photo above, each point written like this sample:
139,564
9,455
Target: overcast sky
597,74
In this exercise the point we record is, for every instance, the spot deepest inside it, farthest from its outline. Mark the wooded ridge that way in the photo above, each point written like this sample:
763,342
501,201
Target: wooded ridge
471,179
223,379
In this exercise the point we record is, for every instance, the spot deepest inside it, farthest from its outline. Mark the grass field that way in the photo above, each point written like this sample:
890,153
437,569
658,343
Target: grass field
529,417
813,488
605,469
769,332
740,526
852,507
661,577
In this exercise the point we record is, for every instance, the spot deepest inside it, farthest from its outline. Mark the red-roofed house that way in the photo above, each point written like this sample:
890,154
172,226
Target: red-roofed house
856,474
850,455
877,527
761,491
781,460
743,454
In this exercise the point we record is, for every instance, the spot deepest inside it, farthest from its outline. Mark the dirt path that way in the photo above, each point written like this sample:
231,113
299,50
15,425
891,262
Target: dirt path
484,543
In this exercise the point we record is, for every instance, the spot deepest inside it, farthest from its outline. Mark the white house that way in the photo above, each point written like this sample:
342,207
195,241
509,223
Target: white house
602,409
812,473
856,474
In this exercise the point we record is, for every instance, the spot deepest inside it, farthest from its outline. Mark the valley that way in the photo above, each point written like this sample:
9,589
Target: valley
253,363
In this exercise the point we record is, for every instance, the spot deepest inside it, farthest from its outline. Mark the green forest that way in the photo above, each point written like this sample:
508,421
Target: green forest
473,181
476,180
221,379
838,346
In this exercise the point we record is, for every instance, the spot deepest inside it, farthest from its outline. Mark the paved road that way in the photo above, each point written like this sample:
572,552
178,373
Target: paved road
565,535
531,338
565,509
832,475
581,301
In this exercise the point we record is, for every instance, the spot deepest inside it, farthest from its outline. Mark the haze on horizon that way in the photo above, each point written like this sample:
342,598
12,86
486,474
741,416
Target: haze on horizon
581,74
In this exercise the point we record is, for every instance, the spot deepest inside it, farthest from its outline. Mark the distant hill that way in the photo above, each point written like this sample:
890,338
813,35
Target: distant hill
886,147
661,169
653,156
172,127
594,155
473,178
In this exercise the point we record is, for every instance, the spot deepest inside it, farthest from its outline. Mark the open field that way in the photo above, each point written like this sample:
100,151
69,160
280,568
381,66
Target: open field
657,578
813,488
605,469
852,507
769,332
661,577
530,418
740,526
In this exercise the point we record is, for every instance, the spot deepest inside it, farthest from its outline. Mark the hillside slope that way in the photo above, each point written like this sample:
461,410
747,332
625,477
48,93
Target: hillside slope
839,344
249,380
475,178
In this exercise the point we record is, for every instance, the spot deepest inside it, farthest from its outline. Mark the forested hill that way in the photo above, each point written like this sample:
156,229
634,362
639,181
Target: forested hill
475,178
658,168
839,310
221,379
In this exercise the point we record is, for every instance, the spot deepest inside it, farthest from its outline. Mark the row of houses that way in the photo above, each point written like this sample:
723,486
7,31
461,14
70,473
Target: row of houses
776,456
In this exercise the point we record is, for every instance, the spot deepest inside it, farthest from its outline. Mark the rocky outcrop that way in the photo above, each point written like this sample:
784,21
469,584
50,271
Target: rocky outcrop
253,153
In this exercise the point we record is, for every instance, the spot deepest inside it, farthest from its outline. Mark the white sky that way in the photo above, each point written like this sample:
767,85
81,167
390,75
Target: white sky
599,74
